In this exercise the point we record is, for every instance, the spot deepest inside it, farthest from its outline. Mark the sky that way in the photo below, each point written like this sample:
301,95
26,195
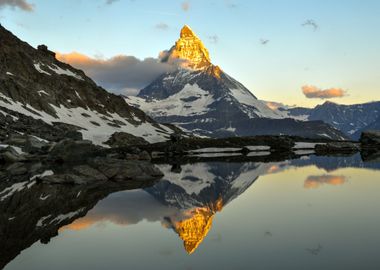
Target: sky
301,52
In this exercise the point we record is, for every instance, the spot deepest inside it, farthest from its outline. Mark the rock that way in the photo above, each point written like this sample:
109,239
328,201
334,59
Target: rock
175,137
44,49
89,174
9,155
63,179
73,151
16,139
120,139
370,138
144,155
337,147
34,145
17,169
73,135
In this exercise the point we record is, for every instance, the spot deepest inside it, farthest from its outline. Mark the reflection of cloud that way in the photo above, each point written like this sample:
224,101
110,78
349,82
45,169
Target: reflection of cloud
21,4
314,92
185,6
315,181
124,209
162,26
119,73
315,251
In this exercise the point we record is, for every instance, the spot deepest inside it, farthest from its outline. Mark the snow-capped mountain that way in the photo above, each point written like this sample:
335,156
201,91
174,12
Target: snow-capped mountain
43,91
350,119
202,98
373,126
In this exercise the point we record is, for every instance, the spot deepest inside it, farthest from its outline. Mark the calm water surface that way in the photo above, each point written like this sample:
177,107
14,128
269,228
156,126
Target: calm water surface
311,213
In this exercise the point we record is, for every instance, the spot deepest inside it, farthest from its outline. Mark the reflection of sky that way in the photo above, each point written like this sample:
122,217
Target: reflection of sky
343,52
275,224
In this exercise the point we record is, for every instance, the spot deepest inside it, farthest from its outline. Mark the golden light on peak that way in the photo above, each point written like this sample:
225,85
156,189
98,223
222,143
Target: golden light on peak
196,225
189,47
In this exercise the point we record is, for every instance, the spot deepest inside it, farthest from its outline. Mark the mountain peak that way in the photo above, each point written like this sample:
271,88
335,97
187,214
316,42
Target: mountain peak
186,31
190,49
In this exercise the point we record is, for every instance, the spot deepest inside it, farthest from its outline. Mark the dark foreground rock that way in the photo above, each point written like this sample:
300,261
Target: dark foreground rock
120,139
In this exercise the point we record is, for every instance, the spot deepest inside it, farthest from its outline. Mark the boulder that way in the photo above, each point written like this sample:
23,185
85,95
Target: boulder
73,151
34,145
9,155
16,139
122,139
17,169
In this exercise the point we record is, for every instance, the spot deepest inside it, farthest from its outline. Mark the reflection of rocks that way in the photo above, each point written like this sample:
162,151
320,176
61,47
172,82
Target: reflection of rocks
371,155
370,138
30,211
337,148
370,141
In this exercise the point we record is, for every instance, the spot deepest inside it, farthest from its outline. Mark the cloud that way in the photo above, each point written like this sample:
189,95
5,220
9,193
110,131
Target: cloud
230,4
185,6
110,2
162,26
213,39
314,92
311,23
315,181
21,4
264,41
121,74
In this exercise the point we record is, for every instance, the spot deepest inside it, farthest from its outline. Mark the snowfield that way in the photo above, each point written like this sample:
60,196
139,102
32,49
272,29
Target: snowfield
190,101
96,127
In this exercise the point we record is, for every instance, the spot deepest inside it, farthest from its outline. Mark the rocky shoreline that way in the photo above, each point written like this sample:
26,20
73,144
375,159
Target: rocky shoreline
80,162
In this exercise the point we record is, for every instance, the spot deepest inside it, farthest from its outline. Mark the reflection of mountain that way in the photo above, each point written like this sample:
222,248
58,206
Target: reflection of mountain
200,184
186,200
199,191
195,225
334,163
31,212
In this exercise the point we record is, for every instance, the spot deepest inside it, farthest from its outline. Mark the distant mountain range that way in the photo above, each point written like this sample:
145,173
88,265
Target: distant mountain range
350,119
37,90
200,97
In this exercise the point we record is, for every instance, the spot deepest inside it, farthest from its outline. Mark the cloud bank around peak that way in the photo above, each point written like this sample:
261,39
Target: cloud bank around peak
21,4
120,74
311,91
